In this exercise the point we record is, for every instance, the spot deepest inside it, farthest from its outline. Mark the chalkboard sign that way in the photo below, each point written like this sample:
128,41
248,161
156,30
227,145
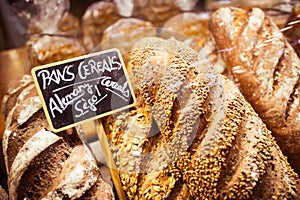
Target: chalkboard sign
83,88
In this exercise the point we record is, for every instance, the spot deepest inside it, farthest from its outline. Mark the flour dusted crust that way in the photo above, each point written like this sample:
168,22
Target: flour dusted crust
41,164
32,148
9,99
232,154
266,69
84,174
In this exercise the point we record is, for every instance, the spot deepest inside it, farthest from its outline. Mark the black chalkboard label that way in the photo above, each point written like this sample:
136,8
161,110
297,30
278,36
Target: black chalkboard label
83,88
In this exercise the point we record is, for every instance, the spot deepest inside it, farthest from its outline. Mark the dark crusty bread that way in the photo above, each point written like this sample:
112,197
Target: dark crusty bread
41,164
266,69
3,177
3,194
192,134
10,98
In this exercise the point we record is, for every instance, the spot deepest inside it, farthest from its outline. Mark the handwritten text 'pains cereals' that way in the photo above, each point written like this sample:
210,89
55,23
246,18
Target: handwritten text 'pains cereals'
86,68
83,92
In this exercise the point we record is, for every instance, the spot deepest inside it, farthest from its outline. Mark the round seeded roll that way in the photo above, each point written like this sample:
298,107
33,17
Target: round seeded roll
191,134
41,164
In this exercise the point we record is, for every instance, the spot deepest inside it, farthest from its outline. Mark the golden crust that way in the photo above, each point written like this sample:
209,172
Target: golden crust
266,69
231,152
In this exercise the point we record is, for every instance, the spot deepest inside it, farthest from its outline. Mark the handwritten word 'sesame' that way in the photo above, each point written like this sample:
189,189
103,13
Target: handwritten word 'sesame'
86,68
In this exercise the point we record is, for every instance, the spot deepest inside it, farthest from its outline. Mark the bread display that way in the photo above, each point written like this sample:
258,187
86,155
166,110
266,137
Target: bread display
41,164
191,134
216,113
266,69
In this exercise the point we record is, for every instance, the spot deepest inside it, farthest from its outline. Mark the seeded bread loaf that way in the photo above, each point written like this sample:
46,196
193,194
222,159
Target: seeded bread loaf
266,69
41,164
191,134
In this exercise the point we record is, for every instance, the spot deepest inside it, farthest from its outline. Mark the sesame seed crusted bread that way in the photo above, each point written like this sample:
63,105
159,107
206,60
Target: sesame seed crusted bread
41,164
191,134
265,68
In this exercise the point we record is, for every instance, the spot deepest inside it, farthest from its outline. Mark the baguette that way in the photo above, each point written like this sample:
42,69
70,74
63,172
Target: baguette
265,68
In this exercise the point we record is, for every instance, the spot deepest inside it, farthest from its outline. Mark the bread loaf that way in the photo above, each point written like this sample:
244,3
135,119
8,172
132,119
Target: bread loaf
3,194
47,49
193,29
191,134
41,164
119,34
96,18
266,69
154,11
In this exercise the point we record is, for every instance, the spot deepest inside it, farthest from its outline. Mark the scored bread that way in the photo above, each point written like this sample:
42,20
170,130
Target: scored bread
41,164
265,68
191,134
